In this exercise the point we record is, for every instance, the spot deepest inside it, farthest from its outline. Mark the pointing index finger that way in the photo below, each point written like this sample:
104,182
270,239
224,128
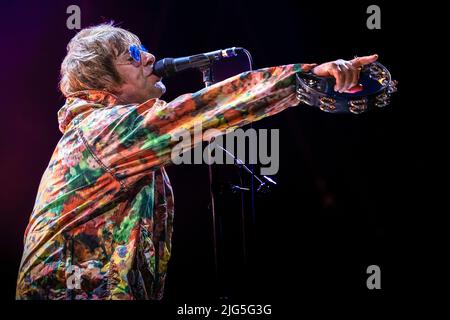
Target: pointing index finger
361,61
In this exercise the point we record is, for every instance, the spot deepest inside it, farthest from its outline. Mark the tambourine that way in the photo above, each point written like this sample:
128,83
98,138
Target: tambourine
377,87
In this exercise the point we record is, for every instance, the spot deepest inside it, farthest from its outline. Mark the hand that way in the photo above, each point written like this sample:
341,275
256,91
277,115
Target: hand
345,72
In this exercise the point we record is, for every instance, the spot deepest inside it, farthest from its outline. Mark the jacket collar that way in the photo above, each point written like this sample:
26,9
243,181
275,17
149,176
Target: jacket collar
83,103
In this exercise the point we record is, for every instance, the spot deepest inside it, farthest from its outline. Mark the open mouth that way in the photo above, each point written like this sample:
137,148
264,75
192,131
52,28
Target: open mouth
151,74
155,77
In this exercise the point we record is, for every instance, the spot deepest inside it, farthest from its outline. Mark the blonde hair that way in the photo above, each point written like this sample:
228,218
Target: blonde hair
90,55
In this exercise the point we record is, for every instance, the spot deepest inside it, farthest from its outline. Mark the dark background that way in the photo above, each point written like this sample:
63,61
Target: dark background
347,184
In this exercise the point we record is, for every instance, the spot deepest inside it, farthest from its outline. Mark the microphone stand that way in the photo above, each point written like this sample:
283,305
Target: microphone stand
208,80
264,186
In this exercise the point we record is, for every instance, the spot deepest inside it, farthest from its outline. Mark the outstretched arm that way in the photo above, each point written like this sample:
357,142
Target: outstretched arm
142,137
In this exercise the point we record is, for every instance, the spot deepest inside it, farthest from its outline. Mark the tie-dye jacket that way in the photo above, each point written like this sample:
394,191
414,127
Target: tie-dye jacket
102,222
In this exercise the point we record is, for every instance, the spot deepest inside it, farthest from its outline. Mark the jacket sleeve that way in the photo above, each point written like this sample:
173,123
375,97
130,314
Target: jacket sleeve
142,137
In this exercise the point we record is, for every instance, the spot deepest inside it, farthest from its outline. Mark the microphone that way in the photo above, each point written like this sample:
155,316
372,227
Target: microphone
169,66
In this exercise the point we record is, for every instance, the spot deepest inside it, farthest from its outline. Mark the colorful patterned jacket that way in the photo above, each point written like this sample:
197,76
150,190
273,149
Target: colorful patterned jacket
102,222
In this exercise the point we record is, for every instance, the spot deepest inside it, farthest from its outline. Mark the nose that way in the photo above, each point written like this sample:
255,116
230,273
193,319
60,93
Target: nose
147,58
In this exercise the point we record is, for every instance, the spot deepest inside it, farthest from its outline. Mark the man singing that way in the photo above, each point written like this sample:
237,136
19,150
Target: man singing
101,226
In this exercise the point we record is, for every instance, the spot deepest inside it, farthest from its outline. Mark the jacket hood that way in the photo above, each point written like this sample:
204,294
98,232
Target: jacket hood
83,103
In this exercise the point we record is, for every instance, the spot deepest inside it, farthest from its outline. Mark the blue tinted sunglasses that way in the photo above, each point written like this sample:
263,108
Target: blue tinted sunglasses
135,53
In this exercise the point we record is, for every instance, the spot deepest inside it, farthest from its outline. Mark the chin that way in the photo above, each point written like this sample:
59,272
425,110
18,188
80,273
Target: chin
155,91
160,87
